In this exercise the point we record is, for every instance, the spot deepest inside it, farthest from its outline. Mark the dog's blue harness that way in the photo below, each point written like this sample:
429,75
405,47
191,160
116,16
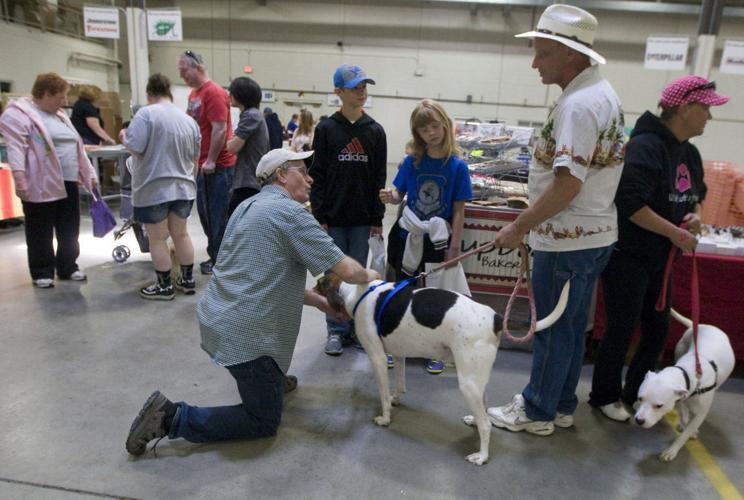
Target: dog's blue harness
378,316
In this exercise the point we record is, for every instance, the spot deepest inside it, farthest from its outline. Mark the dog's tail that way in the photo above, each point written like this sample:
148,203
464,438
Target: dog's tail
686,322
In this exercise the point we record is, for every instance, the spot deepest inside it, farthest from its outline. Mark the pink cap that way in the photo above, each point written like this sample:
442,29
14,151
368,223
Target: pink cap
690,89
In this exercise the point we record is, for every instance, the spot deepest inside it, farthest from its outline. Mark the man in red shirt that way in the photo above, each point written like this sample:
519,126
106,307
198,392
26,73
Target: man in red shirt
209,105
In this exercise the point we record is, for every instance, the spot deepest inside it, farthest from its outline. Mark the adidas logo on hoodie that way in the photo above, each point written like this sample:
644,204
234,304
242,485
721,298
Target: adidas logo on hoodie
353,152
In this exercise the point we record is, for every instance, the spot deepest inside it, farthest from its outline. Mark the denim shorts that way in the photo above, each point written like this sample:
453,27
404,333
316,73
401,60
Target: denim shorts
158,213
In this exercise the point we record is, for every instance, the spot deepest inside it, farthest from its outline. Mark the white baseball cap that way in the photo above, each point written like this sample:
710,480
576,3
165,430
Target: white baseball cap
569,25
275,159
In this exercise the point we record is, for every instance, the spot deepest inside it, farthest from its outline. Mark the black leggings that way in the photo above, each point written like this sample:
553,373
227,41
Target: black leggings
631,289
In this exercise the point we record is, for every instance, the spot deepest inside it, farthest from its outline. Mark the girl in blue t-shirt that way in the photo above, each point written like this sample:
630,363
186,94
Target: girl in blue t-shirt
436,183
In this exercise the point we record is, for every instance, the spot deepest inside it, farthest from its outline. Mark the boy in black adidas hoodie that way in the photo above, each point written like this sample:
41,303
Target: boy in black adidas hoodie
349,168
661,187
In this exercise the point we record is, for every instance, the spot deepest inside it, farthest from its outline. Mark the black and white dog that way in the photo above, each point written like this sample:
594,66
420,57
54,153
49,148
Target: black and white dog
427,323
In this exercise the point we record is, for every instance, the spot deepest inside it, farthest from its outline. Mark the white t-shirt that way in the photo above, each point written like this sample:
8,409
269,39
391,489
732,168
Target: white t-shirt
167,140
584,132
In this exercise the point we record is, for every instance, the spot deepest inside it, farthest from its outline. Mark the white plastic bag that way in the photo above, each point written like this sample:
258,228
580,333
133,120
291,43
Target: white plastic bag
377,254
447,279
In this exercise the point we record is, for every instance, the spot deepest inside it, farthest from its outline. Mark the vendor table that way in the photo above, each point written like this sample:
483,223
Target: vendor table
721,298
496,270
98,153
10,204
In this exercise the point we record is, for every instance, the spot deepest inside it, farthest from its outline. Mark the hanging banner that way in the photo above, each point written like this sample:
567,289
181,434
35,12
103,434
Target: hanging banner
732,59
164,25
101,22
666,52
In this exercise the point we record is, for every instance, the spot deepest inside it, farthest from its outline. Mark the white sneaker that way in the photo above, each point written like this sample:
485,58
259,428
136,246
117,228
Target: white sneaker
564,421
78,276
615,411
44,283
513,418
499,411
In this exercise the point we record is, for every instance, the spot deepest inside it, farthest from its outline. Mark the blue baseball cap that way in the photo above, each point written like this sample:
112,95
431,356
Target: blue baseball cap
348,76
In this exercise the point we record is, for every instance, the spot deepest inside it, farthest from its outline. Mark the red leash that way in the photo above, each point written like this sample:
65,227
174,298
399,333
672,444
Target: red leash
524,270
695,298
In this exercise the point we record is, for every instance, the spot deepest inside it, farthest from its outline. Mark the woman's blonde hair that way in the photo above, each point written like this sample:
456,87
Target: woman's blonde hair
89,93
305,126
426,112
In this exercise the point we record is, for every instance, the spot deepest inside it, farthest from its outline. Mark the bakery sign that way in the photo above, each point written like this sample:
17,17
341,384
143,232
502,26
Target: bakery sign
495,270
732,59
666,52
101,22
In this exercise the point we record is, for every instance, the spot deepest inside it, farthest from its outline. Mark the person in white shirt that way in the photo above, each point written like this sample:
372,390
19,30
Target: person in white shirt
571,220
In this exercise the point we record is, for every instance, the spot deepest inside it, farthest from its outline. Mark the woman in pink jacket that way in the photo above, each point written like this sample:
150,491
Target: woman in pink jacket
48,161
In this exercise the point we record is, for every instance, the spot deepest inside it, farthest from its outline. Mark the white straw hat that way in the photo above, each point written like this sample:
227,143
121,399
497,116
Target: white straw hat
569,25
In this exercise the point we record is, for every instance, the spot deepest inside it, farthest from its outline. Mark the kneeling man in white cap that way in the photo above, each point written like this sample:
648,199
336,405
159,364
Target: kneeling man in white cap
571,220
250,313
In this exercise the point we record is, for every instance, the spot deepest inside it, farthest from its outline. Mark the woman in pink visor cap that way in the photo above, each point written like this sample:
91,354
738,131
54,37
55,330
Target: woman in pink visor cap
661,187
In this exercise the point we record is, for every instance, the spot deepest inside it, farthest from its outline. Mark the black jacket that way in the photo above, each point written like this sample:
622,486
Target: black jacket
663,173
349,168
276,131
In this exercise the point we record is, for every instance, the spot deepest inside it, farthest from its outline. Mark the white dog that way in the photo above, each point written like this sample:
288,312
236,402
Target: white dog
659,392
427,323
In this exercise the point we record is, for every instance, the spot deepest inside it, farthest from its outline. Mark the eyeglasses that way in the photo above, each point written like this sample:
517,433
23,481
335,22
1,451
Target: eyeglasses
302,170
703,86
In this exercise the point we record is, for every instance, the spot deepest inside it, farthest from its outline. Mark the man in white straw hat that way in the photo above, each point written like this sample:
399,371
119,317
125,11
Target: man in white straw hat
249,316
572,222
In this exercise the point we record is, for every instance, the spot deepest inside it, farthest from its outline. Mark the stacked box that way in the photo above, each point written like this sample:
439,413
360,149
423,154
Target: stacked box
723,179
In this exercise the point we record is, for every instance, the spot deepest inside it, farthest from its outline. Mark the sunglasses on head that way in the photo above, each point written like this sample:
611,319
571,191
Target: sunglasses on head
192,55
703,86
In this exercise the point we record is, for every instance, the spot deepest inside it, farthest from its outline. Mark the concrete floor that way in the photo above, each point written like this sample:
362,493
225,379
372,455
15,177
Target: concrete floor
78,361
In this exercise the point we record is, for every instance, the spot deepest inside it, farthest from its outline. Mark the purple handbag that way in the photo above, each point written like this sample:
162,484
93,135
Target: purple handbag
103,219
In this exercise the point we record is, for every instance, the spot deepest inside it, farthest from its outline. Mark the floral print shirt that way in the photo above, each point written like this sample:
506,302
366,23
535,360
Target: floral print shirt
584,132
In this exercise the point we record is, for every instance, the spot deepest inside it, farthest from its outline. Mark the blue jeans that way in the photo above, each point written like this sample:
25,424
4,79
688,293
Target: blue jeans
155,214
261,387
212,201
558,351
354,242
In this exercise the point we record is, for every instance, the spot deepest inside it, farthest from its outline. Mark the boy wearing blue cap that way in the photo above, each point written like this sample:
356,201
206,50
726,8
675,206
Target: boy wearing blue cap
348,170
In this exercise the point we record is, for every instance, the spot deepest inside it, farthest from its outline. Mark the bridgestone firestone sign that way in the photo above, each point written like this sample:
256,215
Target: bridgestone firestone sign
101,22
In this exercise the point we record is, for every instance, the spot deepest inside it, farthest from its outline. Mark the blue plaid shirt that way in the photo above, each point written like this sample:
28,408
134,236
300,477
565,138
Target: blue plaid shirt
253,303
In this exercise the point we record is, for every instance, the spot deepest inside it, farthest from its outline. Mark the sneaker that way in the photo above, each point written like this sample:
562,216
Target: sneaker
390,361
513,417
290,383
77,276
44,283
434,366
333,345
188,287
149,424
615,411
563,420
157,292
206,266
351,340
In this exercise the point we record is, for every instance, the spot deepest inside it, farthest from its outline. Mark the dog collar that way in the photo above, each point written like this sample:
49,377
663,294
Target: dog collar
704,389
369,290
